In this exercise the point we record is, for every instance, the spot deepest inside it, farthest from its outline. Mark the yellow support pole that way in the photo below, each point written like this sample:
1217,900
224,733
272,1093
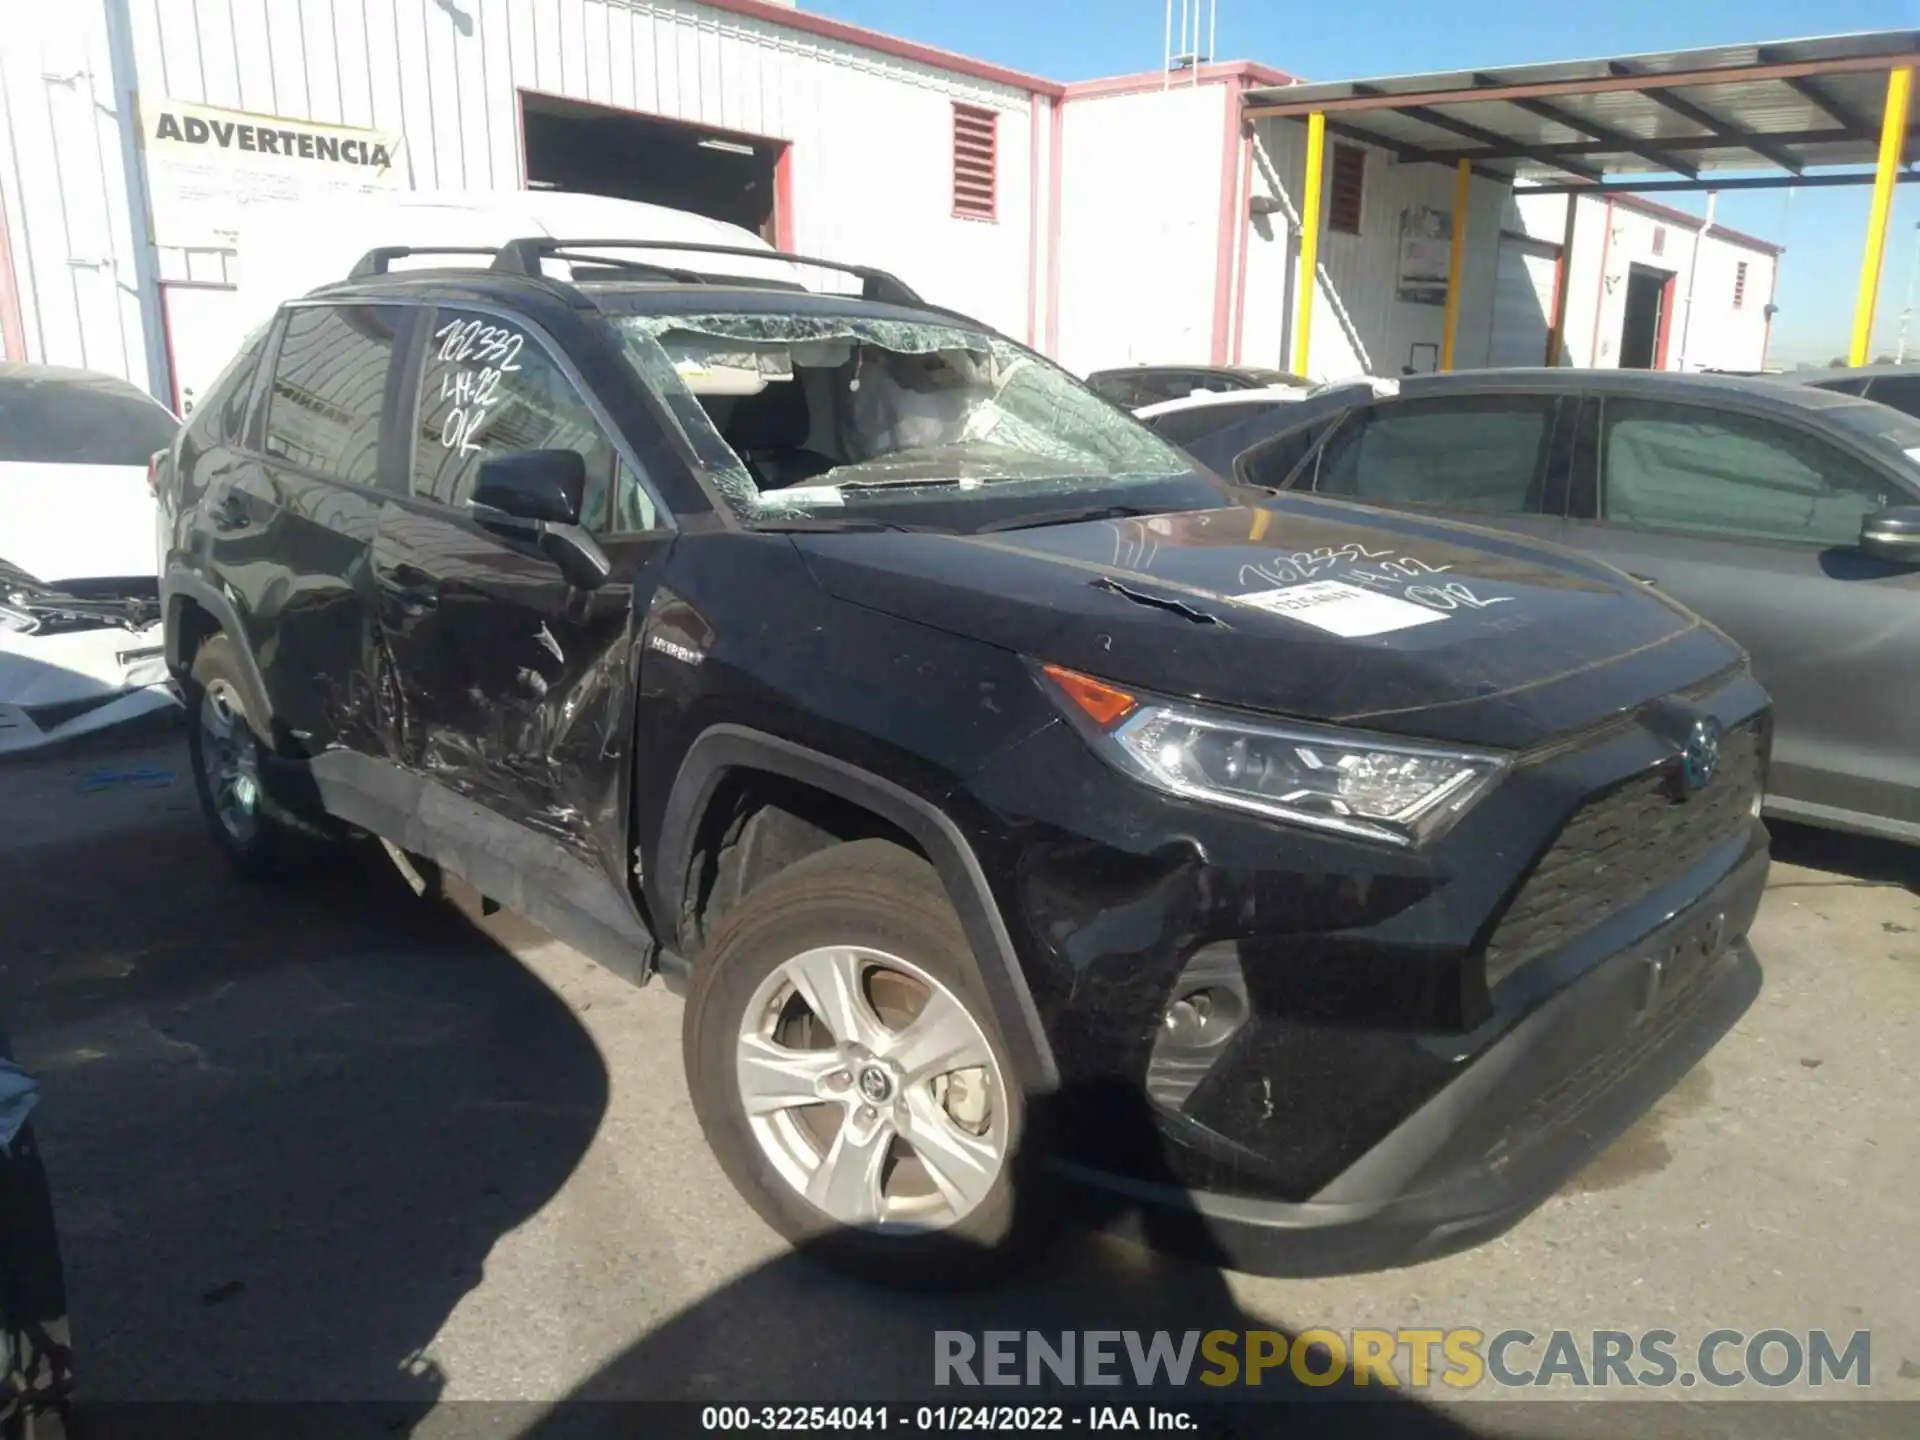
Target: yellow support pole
1456,261
1893,131
1309,242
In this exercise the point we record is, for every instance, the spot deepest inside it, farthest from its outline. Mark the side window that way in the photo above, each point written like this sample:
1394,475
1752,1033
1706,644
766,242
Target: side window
1902,392
1711,472
488,388
329,389
1471,453
1270,463
222,418
1183,427
1848,387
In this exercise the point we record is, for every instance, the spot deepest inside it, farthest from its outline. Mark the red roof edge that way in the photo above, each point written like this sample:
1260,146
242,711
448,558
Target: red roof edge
1246,72
1696,223
796,19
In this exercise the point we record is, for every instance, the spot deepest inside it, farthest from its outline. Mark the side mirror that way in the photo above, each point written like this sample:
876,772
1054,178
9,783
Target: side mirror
544,485
537,494
1892,534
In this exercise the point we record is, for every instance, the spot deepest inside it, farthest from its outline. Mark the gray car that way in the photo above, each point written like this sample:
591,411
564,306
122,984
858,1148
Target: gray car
1895,385
1787,515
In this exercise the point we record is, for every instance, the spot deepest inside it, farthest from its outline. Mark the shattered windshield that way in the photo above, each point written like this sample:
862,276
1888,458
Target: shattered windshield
801,416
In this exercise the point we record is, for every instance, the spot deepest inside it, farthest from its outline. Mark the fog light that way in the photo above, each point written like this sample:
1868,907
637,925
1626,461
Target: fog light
1201,1018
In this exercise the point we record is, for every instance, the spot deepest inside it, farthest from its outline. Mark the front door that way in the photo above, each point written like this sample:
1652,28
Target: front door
515,687
1755,525
1493,459
291,531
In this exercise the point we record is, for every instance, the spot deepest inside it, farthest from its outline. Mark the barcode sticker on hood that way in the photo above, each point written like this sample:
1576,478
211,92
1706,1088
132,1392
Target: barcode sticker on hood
1341,609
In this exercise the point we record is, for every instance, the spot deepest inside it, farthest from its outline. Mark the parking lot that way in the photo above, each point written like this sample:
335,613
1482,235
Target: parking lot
326,1140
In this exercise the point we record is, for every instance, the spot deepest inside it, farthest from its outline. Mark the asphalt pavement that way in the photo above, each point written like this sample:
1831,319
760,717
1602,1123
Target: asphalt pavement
324,1140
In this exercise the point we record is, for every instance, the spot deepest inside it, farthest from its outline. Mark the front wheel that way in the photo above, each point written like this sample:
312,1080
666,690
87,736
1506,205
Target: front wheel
225,748
848,1073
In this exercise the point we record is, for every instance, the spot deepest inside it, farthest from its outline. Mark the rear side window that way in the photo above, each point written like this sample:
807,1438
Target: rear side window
329,389
1472,453
1183,427
1711,472
1902,392
65,417
487,388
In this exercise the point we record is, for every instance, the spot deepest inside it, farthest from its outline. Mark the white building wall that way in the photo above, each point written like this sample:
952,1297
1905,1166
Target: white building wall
1609,239
871,133
1361,323
1139,226
64,183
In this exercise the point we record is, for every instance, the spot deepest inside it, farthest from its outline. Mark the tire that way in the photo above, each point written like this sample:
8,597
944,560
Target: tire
225,744
885,912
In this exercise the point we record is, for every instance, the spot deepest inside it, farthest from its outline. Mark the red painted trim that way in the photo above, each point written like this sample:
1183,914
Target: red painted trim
1033,217
1243,225
1600,290
1225,230
1666,319
788,18
166,340
1057,142
1246,72
13,329
1695,223
519,130
1766,338
783,221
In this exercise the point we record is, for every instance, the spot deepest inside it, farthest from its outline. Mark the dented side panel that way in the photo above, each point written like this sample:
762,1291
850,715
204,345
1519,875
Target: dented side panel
510,686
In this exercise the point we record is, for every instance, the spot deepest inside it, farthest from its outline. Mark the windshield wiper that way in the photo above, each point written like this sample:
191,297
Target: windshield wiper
1034,521
829,524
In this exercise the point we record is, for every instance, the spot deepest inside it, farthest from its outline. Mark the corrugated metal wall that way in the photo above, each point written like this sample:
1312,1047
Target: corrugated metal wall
1363,268
871,133
65,187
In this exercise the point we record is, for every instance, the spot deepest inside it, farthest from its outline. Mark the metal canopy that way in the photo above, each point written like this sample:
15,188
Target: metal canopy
1788,107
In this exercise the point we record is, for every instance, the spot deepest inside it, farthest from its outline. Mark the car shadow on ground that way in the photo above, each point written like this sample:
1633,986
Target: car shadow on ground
285,1124
1865,859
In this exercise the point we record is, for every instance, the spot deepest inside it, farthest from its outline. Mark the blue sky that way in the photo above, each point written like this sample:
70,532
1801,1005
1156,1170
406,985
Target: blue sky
1822,229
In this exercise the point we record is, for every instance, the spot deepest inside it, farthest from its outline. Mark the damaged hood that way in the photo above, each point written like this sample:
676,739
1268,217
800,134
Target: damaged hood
1304,608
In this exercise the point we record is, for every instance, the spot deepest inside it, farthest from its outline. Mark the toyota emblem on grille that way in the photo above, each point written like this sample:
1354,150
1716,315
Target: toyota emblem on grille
1700,756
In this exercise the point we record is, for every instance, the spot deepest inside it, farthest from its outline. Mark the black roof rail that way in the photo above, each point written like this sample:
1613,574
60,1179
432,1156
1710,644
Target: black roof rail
376,261
523,257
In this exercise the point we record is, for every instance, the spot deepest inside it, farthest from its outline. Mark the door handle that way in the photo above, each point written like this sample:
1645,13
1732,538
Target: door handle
411,590
1643,579
231,513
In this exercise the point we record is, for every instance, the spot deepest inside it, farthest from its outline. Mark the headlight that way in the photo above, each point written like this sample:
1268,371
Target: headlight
1356,783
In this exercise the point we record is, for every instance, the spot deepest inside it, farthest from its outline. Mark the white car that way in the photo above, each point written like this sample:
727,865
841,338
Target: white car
80,633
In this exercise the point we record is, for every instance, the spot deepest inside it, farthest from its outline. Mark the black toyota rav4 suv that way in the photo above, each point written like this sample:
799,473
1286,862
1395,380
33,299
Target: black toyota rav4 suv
1326,884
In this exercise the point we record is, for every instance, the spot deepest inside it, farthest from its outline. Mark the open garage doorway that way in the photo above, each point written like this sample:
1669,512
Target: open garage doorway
1649,318
723,174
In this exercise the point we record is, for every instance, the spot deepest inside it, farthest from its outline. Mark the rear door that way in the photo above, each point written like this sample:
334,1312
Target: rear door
1491,459
1754,523
289,534
516,688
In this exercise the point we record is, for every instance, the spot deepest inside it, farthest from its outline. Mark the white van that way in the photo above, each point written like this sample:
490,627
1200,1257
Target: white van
286,250
289,250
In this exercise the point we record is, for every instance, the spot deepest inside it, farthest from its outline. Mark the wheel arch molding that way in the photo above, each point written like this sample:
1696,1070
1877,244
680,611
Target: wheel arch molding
725,748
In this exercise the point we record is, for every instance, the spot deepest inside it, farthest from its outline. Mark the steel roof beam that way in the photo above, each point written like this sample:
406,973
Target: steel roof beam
1581,125
1741,137
1466,129
1372,98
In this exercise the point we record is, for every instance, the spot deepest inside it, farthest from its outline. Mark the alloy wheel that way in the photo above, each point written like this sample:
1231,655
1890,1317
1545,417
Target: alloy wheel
872,1089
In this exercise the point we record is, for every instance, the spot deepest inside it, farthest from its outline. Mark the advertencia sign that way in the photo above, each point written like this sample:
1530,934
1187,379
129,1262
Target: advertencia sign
207,166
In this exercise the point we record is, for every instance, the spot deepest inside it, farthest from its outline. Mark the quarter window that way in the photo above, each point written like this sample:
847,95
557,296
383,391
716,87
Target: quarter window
1709,472
1472,453
487,389
329,389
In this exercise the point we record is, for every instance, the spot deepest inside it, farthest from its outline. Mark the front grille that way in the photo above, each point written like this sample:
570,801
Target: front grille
1619,846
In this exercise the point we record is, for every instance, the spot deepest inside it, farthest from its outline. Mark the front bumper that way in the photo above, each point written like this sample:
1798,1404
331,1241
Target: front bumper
1530,1110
